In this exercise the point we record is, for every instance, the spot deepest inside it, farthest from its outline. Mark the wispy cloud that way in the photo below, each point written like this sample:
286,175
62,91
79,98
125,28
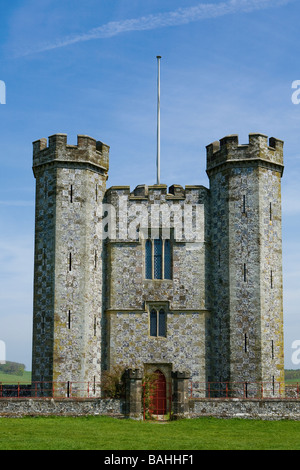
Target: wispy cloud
177,17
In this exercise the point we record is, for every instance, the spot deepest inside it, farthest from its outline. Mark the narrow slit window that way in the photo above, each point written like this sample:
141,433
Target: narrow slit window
43,324
70,262
246,343
271,279
71,193
69,319
272,348
46,188
96,259
244,204
96,192
271,215
245,272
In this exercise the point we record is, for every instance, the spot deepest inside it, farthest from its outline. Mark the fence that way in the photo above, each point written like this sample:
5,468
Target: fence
53,389
157,398
244,390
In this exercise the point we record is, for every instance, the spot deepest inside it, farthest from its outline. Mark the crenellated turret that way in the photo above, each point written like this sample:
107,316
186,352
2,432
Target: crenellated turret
88,151
246,258
70,187
261,149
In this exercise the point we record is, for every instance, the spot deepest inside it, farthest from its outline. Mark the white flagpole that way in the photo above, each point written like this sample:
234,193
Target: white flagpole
158,120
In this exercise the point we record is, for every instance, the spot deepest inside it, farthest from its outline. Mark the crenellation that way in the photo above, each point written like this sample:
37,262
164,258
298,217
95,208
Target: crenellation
261,149
39,145
87,152
57,141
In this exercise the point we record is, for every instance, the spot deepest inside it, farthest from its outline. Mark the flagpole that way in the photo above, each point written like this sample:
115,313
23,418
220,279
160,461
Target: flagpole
158,120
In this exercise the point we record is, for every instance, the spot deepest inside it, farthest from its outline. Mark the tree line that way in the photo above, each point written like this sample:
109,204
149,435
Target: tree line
12,368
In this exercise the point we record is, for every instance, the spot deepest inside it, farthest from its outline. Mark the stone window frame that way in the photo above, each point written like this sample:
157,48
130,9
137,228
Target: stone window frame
165,236
157,307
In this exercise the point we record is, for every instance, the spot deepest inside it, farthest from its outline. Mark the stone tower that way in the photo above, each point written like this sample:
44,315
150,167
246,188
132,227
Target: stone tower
246,260
70,185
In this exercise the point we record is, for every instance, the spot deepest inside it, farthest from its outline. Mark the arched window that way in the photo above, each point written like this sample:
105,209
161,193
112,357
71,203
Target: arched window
153,322
158,322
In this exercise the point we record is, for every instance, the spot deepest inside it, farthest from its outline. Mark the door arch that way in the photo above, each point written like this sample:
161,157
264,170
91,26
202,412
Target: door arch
159,396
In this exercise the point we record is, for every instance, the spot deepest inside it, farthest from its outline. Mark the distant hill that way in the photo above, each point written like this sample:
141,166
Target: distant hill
12,368
14,373
292,375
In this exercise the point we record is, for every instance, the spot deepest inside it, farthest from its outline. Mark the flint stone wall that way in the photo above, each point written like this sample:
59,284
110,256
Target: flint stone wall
19,407
272,409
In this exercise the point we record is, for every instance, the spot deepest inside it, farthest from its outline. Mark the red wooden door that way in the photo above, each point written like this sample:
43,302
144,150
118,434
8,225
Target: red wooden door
159,397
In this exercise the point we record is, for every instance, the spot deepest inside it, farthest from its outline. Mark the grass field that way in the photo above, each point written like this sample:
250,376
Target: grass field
14,379
102,433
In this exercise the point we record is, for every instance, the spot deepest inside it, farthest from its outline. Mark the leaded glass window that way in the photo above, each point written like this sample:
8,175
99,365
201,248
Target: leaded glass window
158,259
168,260
158,322
148,254
153,322
162,323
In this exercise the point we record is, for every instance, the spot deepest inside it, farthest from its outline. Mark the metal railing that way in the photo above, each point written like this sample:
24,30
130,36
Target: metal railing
244,390
53,389
197,390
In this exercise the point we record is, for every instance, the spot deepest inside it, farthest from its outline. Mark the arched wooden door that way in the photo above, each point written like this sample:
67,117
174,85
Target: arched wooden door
159,396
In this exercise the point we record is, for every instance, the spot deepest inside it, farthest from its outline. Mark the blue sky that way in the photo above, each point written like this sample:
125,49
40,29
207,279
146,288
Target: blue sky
90,68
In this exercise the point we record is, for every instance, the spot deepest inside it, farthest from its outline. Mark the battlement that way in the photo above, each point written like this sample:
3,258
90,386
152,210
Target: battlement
260,147
157,192
87,150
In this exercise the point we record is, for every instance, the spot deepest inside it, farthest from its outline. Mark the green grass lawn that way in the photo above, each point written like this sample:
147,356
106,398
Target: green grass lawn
102,433
14,379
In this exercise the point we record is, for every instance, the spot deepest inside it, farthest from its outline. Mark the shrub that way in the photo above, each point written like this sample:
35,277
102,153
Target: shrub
112,383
